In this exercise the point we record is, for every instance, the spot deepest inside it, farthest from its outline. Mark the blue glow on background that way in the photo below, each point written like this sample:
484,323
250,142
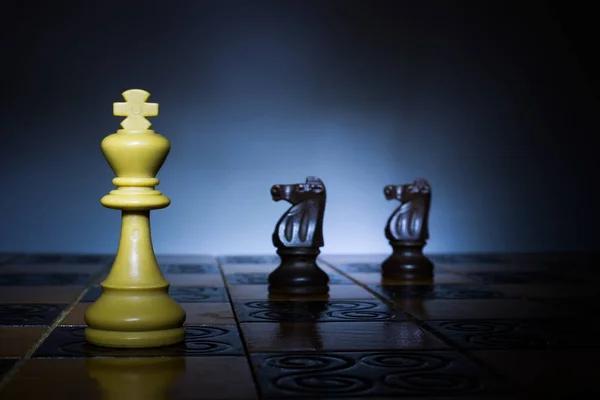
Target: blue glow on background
485,103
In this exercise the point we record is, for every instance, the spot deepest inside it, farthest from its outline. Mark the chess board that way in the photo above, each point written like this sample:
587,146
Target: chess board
496,326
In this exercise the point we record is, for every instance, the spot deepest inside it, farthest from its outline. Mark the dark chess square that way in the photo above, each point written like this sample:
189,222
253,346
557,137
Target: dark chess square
520,334
364,375
29,314
437,292
29,279
249,259
61,259
190,269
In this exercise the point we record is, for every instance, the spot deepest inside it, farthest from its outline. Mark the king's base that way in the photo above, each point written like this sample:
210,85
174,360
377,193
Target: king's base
134,318
134,340
407,262
298,273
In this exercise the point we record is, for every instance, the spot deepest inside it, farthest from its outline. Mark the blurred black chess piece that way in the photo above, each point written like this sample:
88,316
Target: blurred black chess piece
298,237
407,231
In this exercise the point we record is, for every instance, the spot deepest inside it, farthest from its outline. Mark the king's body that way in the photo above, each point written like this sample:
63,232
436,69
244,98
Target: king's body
135,309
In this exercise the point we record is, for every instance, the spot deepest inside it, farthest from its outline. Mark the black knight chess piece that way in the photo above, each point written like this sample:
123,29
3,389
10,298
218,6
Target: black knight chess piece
407,231
298,237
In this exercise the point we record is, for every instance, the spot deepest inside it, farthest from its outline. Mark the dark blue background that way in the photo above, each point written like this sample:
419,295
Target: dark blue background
493,104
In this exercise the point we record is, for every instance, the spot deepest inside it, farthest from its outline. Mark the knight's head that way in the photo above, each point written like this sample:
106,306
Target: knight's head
295,193
407,191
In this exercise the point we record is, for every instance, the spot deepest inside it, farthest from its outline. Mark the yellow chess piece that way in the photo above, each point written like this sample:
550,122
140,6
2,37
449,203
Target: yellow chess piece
135,309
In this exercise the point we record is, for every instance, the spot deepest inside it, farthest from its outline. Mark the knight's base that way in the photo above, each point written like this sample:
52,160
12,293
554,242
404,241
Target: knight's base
407,262
298,273
134,340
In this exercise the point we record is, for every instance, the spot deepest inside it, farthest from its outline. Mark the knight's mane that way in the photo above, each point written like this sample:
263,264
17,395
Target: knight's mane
421,184
314,179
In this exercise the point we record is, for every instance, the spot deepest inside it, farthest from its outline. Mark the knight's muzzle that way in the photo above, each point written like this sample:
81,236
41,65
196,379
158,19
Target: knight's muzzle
276,192
390,192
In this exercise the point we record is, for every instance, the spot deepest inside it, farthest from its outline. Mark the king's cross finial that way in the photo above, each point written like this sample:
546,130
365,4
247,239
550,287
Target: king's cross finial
136,110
